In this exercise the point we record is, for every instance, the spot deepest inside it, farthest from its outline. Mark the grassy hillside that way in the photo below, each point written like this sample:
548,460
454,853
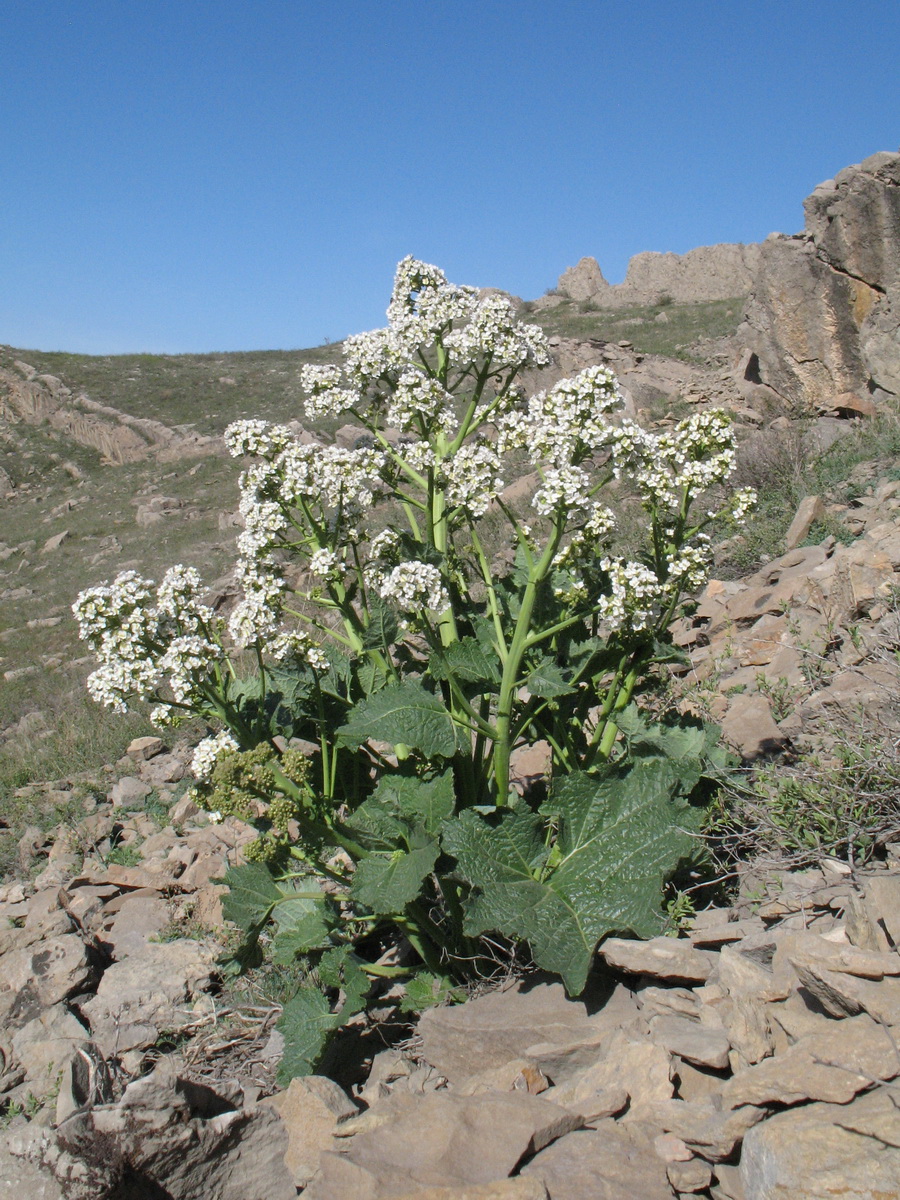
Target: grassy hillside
662,328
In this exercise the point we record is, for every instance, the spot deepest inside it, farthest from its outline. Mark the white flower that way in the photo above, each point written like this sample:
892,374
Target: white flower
472,477
414,586
325,563
207,752
300,647
420,404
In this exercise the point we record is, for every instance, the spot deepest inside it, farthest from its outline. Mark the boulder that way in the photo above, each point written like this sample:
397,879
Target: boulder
606,1163
819,1150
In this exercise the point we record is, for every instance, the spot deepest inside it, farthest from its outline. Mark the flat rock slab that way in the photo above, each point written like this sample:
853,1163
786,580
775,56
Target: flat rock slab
609,1163
501,1026
692,1041
834,1065
503,1189
441,1140
147,993
311,1109
660,958
822,1150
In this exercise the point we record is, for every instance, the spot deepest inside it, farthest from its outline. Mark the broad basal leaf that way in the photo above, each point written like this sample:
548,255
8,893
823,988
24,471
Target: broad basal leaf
307,1023
383,627
386,881
402,713
467,660
620,836
425,802
252,893
302,925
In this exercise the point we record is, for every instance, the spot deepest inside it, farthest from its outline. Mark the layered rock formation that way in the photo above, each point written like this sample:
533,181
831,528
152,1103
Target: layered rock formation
823,317
707,273
120,438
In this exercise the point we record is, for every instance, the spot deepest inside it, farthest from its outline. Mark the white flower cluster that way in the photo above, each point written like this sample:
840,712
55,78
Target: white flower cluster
675,467
494,332
413,587
326,564
419,405
255,618
566,487
472,477
144,639
256,437
566,423
634,598
325,395
207,753
298,646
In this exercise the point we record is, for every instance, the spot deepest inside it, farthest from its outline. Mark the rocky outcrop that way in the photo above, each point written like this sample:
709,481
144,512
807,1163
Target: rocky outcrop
707,273
824,314
117,436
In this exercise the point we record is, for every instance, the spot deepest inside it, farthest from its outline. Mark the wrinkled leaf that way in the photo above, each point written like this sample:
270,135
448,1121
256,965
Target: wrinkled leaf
467,660
620,837
252,893
307,1023
402,713
547,680
387,881
425,990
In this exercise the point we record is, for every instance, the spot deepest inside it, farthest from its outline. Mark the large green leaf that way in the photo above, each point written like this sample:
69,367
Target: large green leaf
420,801
548,680
387,881
383,626
402,713
302,925
307,1023
620,836
467,660
252,894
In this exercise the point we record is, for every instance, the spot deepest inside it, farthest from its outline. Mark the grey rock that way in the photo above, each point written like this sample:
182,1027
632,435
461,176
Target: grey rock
153,991
174,1138
129,792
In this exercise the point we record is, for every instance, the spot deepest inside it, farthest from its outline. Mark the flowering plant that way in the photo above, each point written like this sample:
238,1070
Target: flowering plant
398,664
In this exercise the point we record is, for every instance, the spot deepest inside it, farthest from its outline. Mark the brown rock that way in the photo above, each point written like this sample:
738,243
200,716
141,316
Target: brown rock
825,1150
660,958
810,510
502,1189
145,747
833,1065
495,1029
692,1041
442,1139
692,1176
608,1163
750,727
311,1109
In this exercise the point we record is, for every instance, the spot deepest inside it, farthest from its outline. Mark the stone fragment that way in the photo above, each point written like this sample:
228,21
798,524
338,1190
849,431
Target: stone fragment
183,810
170,1137
750,727
494,1029
145,747
54,542
21,1176
441,1139
153,991
44,1045
810,510
638,1070
136,922
707,1129
660,958
311,1109
162,769
841,994
49,969
825,1150
520,1075
692,1176
691,1041
610,1162
129,793
501,1189
833,1065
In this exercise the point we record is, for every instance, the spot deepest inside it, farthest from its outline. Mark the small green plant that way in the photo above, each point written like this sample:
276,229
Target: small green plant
780,692
416,662
680,913
124,856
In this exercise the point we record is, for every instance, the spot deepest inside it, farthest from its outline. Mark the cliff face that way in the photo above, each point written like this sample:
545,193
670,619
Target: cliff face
43,400
823,316
707,273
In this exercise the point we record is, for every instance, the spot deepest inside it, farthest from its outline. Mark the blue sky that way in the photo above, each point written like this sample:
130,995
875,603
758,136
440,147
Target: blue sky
194,176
